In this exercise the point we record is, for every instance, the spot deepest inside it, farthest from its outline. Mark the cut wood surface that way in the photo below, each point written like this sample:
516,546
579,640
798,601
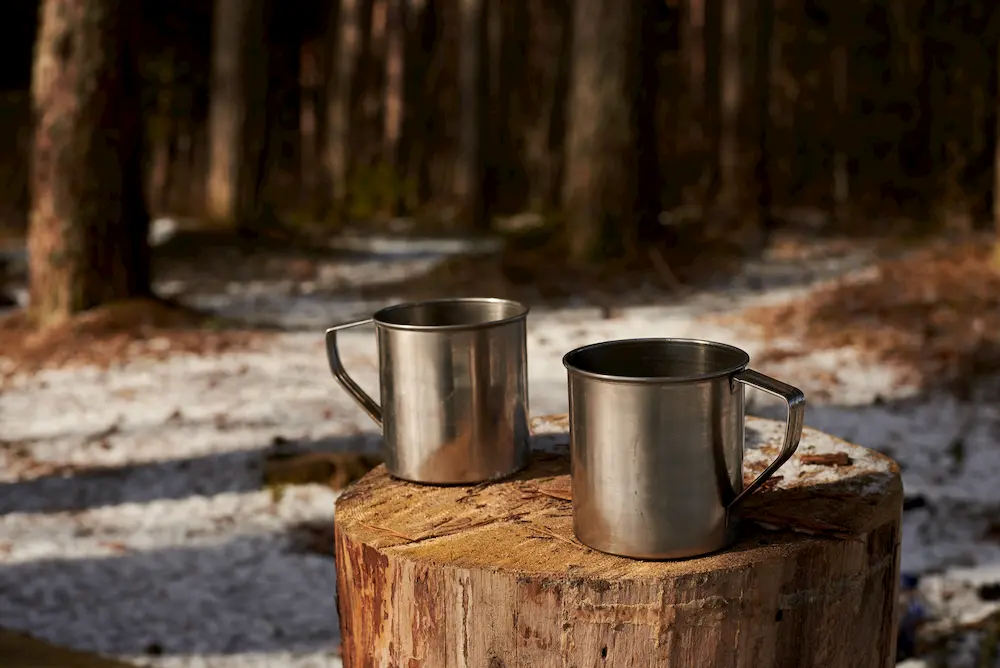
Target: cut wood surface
492,576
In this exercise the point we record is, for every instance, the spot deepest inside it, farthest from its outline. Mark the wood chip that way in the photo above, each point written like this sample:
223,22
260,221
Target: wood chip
559,488
827,459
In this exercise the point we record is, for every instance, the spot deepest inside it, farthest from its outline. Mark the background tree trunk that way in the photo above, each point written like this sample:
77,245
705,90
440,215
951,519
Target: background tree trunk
692,125
743,195
237,111
344,42
760,119
841,177
547,70
394,107
601,177
88,225
419,34
310,79
470,168
996,164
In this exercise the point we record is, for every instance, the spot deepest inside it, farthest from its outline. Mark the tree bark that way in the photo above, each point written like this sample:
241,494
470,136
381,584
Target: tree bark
88,234
601,177
470,168
493,576
237,111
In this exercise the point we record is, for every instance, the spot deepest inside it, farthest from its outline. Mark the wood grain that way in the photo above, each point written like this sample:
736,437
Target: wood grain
492,576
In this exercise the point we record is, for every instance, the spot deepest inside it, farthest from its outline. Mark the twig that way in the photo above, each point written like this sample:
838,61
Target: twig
663,269
562,496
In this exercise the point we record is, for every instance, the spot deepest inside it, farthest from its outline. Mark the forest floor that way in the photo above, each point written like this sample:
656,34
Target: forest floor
134,516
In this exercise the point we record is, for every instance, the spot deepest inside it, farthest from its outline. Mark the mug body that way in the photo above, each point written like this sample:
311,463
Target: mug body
454,389
656,434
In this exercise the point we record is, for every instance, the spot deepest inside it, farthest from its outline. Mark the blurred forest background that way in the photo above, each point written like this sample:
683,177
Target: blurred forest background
611,153
637,131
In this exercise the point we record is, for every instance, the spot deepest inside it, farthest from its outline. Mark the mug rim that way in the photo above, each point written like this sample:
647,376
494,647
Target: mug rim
657,380
521,312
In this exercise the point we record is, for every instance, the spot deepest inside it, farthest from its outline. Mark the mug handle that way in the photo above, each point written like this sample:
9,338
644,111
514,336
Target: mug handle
795,400
340,373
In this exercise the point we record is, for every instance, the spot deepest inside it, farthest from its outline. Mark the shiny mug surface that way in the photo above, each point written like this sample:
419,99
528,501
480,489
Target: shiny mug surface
453,385
657,438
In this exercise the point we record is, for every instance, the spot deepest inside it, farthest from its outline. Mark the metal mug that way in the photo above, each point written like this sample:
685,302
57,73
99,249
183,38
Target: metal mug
454,388
657,438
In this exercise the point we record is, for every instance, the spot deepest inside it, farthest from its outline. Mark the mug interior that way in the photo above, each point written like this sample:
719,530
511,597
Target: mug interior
450,313
661,360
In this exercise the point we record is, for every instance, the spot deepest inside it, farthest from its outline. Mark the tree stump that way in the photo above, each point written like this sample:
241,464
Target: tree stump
492,576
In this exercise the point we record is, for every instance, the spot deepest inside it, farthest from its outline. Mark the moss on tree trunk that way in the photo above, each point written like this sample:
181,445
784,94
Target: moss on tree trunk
88,230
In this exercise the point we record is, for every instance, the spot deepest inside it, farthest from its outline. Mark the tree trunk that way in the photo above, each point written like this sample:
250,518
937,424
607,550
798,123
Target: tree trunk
394,107
310,80
692,129
163,153
996,167
470,168
501,65
160,136
713,99
491,576
601,177
237,111
88,235
344,42
742,200
841,177
731,177
547,70
417,99
760,121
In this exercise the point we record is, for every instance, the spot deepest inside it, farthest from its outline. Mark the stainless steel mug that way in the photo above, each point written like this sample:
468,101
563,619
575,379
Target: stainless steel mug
657,437
454,388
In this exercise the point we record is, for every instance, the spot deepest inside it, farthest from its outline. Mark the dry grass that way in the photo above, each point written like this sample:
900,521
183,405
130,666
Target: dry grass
117,333
935,313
